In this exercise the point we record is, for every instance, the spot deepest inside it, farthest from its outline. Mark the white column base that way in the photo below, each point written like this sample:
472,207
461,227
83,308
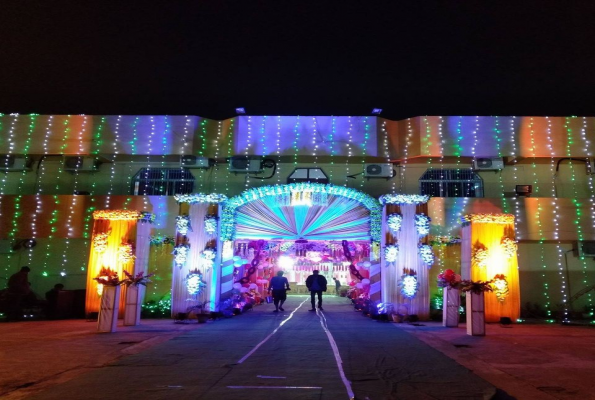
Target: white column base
108,312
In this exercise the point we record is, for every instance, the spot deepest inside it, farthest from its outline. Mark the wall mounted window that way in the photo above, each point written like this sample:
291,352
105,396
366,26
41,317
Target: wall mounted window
162,182
451,183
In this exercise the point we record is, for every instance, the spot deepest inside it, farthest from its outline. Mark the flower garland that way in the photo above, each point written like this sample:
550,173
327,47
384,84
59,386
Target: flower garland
489,218
426,254
509,246
500,287
183,224
147,217
231,205
409,285
194,282
480,255
200,198
100,242
180,254
394,222
391,252
108,277
210,224
404,199
422,224
126,253
117,214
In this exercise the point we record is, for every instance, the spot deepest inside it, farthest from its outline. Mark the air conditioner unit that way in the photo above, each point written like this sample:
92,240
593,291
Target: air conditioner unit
245,164
190,161
81,164
378,171
11,163
488,164
585,248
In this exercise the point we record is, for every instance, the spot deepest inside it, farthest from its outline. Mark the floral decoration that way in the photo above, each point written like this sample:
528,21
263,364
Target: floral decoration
181,254
394,222
476,287
422,224
126,253
100,242
509,246
136,280
208,256
200,198
404,199
147,217
489,218
117,214
426,254
159,240
194,282
391,252
183,224
480,255
227,251
107,277
500,287
281,191
444,240
448,278
409,284
210,224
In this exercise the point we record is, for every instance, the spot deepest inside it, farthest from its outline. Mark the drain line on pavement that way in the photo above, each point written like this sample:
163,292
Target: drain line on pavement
338,359
271,334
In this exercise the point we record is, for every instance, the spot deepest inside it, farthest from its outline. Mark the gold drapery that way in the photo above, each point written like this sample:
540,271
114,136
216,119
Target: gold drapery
490,234
119,231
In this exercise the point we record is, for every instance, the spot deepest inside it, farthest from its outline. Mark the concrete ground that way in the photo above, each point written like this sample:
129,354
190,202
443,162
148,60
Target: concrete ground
294,354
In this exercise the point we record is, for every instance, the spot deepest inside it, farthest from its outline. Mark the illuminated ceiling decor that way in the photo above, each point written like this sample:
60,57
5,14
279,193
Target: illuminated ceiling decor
266,212
404,199
489,218
342,219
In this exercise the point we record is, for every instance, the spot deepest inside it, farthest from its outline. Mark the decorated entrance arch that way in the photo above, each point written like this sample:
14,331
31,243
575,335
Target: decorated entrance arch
310,220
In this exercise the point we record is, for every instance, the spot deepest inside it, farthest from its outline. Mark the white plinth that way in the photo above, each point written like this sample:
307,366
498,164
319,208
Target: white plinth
108,312
475,314
450,307
134,300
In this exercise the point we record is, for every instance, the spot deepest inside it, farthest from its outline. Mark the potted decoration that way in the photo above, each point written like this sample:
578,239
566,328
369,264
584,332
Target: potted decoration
450,281
110,299
134,296
200,311
475,305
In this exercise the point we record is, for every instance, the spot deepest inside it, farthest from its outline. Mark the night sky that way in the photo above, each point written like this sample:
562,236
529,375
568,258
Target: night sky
298,58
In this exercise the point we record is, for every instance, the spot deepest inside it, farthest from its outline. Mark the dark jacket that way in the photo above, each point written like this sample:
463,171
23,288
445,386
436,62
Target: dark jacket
321,282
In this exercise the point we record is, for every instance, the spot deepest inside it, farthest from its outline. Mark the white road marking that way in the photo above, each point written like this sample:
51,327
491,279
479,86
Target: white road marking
272,333
331,340
275,387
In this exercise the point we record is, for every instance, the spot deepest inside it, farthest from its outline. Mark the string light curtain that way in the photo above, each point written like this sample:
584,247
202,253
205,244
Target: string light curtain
111,229
488,250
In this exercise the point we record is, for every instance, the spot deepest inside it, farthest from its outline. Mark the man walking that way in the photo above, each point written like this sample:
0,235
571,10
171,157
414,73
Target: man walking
316,284
279,285
337,286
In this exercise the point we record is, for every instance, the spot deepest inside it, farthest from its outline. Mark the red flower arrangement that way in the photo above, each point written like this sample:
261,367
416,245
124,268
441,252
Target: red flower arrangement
108,277
448,278
139,279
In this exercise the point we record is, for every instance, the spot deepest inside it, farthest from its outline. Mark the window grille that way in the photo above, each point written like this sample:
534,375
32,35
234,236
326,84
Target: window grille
162,181
451,183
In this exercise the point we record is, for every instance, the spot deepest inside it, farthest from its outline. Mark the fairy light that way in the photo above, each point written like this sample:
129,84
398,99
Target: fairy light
230,131
364,148
247,152
263,135
11,132
348,146
315,141
577,203
115,152
331,139
278,151
202,150
296,138
408,142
